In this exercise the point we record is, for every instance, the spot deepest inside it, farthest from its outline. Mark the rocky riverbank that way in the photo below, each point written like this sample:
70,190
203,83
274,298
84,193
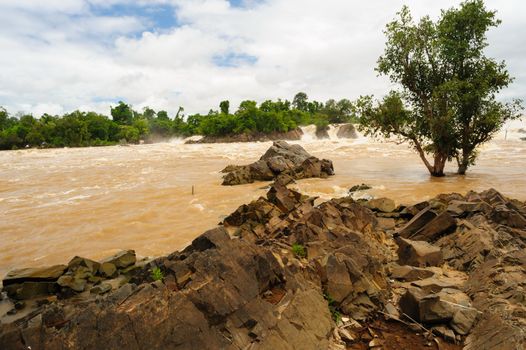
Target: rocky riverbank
284,273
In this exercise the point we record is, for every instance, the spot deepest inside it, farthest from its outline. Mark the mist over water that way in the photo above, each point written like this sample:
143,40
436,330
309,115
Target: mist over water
58,203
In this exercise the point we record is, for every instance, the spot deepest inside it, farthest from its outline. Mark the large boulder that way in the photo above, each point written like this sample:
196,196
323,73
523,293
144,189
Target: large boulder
347,131
418,253
279,160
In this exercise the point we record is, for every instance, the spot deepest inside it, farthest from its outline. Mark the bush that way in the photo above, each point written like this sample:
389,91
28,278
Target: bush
299,251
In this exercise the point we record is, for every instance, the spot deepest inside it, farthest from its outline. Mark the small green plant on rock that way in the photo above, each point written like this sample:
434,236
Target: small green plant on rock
157,274
333,309
298,250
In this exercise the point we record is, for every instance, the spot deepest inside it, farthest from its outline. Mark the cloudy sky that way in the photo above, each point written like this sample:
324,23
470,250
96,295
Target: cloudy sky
60,55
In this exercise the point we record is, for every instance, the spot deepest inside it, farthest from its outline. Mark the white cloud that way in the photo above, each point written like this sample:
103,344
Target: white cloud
63,56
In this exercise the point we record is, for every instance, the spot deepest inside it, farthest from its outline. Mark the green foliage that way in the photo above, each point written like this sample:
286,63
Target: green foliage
298,250
333,308
447,105
157,274
224,106
122,113
79,129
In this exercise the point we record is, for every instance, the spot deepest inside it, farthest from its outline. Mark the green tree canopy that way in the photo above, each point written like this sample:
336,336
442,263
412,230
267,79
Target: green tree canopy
447,105
122,114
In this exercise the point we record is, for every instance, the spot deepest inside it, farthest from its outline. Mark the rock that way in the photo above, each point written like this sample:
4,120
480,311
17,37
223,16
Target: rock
440,225
283,198
30,290
410,273
84,263
77,284
436,284
122,259
347,131
279,160
418,253
44,274
385,205
503,215
442,306
410,302
181,270
464,319
464,208
101,288
417,222
339,284
107,269
346,336
361,187
392,311
444,332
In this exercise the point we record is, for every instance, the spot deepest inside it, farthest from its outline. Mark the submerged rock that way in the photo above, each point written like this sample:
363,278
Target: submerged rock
282,159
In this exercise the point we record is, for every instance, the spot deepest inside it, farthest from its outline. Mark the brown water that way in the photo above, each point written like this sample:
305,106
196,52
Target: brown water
58,203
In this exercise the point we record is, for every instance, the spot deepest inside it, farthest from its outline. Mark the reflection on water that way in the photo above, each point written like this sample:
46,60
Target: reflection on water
58,203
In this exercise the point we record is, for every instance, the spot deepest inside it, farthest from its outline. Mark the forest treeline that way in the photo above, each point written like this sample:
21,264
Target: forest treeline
79,129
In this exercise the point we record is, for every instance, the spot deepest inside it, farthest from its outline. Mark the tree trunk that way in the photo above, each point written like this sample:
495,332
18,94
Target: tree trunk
463,163
437,169
438,165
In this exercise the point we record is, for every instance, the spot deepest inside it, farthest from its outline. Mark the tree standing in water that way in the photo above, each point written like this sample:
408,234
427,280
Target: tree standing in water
447,106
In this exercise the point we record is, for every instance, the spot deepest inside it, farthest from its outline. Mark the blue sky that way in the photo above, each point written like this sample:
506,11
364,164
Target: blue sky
156,16
87,54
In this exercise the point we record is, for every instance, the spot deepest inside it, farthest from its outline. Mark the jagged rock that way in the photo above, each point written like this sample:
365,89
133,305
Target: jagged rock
464,319
385,205
442,306
361,187
444,332
436,284
30,290
464,208
101,288
418,253
79,262
44,274
410,273
417,222
122,259
280,159
107,269
409,303
509,217
441,224
28,283
339,284
75,283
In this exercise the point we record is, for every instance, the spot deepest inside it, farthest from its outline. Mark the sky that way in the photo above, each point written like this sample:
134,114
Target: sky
57,56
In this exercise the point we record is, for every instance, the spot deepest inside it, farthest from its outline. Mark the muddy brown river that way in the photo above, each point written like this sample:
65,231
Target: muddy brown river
58,203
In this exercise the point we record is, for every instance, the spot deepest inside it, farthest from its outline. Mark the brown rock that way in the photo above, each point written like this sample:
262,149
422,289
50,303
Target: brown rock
418,253
44,274
385,205
410,302
410,273
280,159
442,224
417,222
122,259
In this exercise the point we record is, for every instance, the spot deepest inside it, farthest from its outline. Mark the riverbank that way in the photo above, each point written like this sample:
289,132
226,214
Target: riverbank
295,274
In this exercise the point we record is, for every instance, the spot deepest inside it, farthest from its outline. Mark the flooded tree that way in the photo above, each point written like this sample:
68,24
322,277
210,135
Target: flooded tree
447,105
